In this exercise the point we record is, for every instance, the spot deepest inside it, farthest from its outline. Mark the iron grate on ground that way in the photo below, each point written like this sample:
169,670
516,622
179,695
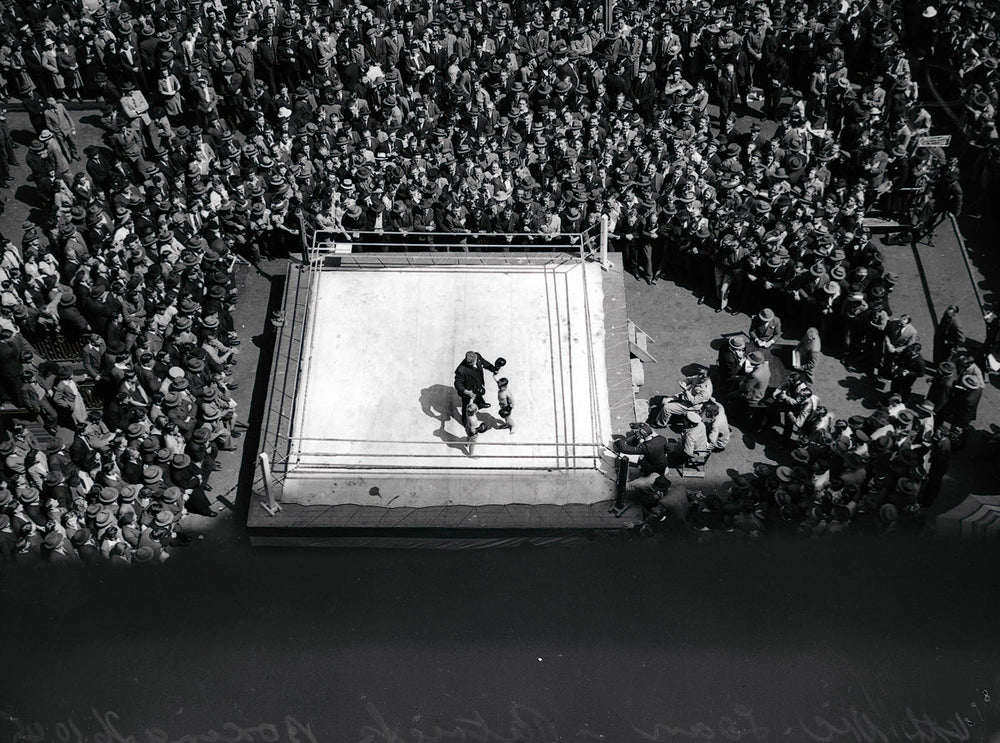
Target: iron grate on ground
91,399
60,348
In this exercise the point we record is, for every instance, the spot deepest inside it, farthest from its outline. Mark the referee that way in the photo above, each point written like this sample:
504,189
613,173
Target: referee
469,379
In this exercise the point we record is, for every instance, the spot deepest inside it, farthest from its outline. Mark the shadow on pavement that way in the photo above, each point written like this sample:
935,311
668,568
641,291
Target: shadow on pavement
258,405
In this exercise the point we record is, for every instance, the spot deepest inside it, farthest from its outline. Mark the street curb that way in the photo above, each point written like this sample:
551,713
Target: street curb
84,105
968,261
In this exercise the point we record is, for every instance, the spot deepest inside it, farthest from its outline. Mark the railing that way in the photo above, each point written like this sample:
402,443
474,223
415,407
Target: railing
589,244
554,455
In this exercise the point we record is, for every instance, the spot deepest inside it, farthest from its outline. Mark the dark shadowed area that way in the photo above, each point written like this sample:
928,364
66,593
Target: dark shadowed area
647,640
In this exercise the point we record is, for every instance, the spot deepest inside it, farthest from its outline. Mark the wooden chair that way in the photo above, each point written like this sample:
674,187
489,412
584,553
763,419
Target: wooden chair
696,464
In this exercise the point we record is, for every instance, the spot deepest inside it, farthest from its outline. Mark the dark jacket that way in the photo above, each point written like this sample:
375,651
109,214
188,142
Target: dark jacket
469,378
730,365
653,451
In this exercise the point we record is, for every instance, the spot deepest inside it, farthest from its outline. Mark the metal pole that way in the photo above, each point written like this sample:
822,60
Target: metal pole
302,235
272,506
604,240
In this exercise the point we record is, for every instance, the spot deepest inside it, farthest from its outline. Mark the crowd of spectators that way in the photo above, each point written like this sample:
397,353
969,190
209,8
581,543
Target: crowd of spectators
238,128
959,42
861,474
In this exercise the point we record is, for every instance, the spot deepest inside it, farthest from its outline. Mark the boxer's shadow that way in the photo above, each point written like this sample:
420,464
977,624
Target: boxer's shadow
453,441
441,403
490,421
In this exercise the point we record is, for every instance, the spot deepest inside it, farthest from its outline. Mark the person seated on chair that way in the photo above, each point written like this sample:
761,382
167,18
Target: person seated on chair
765,328
732,356
696,390
756,378
753,388
694,439
716,425
652,447
799,406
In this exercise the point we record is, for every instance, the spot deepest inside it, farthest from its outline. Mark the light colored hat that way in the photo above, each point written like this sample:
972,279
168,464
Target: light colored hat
971,382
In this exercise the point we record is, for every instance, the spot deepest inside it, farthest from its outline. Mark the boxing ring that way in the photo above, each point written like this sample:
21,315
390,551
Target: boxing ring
363,429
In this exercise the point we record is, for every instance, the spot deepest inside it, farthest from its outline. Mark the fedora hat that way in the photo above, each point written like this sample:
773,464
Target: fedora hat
971,382
108,495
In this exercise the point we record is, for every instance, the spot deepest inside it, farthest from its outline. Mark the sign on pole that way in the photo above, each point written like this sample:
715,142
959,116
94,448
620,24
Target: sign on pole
937,140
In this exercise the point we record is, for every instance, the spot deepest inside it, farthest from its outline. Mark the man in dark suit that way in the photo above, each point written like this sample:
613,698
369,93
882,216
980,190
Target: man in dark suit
35,398
731,358
99,307
55,549
469,379
753,389
948,336
775,79
11,368
7,157
753,385
85,546
8,540
908,367
81,452
186,475
653,449
31,506
853,38
230,90
726,92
